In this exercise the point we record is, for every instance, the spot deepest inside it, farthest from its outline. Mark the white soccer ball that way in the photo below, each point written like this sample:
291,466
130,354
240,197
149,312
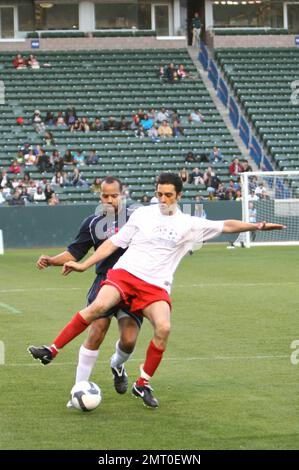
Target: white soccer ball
86,396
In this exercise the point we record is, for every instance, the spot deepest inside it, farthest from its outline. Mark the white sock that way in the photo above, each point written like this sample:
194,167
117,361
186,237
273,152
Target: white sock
87,360
119,357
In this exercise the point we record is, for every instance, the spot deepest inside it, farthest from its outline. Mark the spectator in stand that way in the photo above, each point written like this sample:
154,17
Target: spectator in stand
39,195
210,178
19,62
174,115
76,127
140,132
97,125
16,199
43,162
84,125
135,123
170,72
57,180
145,199
154,134
184,175
20,157
230,190
70,116
238,195
196,177
76,178
211,194
196,29
220,193
252,196
68,158
146,122
235,167
33,62
216,155
49,119
161,73
25,195
177,130
152,114
60,122
96,185
53,201
79,158
48,192
261,190
165,130
246,166
111,124
4,179
49,139
15,168
182,73
123,124
37,122
162,115
190,157
57,161
92,158
196,116
29,157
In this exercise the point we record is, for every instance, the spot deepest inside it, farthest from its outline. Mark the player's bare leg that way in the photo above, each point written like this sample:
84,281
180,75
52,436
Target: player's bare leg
158,313
106,299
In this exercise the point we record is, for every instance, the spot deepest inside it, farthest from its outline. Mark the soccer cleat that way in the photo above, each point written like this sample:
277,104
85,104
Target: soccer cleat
42,354
145,393
120,379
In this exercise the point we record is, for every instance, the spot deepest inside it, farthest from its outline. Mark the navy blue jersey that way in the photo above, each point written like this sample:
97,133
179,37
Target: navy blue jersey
94,230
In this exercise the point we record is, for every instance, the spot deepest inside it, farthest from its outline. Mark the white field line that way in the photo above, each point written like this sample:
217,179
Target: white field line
180,286
168,359
9,308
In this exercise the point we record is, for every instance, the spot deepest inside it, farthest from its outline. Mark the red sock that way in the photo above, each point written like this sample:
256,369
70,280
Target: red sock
153,358
69,332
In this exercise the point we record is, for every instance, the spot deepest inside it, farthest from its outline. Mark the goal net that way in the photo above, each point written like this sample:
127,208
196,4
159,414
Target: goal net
271,196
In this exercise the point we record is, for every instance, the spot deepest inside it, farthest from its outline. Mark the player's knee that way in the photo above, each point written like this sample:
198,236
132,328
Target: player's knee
127,344
163,330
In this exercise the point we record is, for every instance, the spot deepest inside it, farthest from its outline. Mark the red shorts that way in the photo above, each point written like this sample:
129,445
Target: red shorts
136,293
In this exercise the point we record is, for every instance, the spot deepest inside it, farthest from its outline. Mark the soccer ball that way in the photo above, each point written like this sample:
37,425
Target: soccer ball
86,396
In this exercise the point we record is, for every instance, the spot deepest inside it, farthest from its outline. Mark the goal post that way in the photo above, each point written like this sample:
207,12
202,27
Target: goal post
271,196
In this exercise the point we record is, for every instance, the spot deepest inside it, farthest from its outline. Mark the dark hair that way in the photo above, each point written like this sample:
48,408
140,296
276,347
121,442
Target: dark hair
111,180
171,178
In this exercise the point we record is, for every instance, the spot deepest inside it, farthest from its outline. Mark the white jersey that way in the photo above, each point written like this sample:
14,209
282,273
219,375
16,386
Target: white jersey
157,243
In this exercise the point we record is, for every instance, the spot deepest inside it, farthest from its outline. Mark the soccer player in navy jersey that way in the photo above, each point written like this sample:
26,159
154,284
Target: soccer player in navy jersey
157,237
94,230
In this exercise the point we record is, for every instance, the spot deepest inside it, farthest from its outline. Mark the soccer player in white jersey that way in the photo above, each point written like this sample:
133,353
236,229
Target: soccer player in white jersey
157,238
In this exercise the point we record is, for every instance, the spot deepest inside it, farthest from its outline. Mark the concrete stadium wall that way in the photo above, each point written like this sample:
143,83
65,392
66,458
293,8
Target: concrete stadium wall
71,44
269,40
28,227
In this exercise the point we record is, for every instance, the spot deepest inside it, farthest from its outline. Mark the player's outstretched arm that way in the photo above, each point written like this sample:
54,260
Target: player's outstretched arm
236,226
44,261
104,250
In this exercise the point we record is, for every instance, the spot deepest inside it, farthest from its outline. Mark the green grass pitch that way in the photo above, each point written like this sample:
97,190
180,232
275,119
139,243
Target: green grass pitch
226,381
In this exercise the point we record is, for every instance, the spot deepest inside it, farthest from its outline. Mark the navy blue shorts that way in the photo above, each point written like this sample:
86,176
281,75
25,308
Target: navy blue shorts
93,292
